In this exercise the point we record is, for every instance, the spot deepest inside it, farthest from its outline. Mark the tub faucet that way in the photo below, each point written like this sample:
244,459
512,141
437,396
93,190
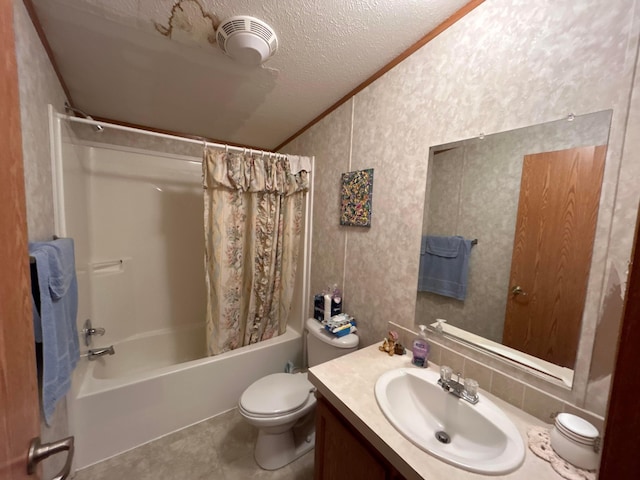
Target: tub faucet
99,352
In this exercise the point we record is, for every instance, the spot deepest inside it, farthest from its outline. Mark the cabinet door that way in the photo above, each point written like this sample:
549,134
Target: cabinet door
340,454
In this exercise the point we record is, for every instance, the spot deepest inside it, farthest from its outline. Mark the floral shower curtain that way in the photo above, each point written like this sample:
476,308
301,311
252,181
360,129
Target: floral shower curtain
253,208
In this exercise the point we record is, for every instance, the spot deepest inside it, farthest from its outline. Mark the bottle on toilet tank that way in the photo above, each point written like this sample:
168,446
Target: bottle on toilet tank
327,307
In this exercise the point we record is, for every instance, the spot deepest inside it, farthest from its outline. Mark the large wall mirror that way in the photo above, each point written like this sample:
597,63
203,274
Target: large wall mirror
525,204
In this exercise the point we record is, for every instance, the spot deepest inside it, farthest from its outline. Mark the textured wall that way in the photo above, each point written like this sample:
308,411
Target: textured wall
505,65
39,87
475,191
328,140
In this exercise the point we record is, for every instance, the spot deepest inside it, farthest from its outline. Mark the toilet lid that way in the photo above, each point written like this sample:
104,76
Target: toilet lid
576,427
275,394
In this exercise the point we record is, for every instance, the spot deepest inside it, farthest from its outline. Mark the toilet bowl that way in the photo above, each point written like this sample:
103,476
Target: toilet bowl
282,405
279,406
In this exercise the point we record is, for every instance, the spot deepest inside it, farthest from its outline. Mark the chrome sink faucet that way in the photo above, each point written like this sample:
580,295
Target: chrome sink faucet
467,391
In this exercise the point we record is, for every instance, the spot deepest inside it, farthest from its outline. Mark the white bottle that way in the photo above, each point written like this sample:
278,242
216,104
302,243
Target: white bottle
327,307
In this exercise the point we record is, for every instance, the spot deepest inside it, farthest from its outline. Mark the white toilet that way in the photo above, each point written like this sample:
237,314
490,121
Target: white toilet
282,405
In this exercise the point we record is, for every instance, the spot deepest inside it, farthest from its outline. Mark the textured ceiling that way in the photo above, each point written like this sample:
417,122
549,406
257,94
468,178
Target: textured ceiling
132,61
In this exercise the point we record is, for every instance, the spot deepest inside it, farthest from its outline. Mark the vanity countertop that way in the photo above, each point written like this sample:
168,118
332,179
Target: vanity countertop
348,384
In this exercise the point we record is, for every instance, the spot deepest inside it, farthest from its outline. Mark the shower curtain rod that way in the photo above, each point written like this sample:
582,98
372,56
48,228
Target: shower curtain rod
202,142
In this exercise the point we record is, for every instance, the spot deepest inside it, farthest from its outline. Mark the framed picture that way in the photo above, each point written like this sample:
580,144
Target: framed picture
356,196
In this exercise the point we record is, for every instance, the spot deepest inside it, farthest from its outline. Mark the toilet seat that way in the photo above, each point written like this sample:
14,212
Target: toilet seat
276,394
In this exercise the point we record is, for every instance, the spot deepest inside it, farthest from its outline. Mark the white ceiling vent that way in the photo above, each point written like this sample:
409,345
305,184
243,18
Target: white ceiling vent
247,39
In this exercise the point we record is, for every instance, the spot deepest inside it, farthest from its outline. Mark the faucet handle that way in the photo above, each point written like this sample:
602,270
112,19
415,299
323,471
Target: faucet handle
445,373
471,387
88,331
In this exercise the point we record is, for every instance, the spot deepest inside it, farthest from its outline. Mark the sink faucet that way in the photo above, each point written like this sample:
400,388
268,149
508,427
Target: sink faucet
94,353
467,391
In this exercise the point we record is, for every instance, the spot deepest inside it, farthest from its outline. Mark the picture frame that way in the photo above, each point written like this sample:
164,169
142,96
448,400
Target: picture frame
356,198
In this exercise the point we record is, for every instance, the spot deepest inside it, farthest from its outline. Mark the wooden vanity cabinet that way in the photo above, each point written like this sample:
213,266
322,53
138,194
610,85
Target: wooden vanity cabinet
341,452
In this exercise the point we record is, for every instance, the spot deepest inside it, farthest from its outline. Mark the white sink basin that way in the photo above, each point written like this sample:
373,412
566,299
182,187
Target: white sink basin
482,438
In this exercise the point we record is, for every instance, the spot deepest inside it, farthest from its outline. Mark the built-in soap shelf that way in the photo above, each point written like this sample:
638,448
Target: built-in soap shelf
108,266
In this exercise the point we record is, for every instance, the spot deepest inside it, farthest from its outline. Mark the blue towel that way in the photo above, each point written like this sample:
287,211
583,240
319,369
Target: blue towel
444,265
56,325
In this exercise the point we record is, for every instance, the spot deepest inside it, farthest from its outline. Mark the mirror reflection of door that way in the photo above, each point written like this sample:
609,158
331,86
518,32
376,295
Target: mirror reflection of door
555,229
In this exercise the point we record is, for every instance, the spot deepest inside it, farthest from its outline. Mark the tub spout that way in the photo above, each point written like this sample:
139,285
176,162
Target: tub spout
99,352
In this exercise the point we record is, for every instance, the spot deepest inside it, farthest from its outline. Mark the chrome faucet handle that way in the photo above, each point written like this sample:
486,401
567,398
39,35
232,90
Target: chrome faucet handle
471,387
88,331
445,373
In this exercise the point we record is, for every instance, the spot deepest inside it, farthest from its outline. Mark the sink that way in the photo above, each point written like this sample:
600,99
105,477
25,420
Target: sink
479,438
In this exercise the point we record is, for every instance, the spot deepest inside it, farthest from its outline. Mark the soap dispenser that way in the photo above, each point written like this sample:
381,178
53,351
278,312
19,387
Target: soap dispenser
421,348
439,325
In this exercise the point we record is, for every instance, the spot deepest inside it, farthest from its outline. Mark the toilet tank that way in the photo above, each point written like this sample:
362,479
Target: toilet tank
323,346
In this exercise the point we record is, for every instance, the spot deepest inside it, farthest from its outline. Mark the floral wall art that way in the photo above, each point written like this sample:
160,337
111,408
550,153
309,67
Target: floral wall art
355,198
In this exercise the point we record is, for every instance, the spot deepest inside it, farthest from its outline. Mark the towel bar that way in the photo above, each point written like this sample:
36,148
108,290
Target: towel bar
32,259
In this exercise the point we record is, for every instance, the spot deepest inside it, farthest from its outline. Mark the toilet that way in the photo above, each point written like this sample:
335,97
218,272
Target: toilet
282,405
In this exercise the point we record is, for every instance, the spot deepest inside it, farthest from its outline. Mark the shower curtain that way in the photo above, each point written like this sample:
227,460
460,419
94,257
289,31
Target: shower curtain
253,208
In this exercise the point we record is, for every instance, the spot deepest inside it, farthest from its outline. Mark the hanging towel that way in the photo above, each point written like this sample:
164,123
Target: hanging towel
56,324
444,265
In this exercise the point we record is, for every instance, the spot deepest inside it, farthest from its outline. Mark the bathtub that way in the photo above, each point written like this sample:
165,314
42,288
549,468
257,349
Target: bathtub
158,383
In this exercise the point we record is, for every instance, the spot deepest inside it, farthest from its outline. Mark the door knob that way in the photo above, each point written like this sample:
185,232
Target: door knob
39,451
517,290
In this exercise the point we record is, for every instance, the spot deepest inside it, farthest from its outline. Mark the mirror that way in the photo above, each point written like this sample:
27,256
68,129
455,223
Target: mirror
531,254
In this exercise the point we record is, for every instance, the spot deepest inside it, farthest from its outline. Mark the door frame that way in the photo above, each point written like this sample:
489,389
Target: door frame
620,457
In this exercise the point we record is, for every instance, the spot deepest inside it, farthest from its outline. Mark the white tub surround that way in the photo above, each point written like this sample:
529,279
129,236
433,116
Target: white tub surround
115,410
348,384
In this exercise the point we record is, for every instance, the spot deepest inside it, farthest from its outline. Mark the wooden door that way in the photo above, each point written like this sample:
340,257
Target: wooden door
620,457
19,408
553,242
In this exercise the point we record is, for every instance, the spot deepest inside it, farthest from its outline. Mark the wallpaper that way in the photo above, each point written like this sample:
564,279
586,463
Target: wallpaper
505,65
39,87
329,141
